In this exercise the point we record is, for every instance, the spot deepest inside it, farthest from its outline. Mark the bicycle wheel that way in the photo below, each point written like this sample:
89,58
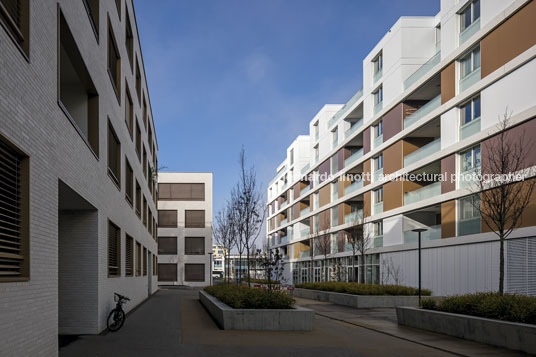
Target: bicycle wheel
116,319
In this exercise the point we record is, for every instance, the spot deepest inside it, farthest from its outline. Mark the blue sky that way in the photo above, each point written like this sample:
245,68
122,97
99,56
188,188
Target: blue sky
227,73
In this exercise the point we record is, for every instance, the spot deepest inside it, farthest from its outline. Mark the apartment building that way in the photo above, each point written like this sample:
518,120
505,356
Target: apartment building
184,228
434,89
77,154
218,260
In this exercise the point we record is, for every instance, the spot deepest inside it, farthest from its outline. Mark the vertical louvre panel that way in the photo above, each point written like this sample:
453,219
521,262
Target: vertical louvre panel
521,266
194,245
138,259
114,250
129,258
195,219
194,272
144,261
11,256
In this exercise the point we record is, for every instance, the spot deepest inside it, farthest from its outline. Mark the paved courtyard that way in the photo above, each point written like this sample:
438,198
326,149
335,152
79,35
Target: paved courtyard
173,322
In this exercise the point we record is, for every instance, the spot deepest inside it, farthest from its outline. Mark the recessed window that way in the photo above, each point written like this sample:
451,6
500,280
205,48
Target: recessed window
14,224
291,157
144,261
150,139
378,96
378,195
167,218
144,110
377,65
194,245
129,183
194,272
92,8
167,272
129,112
194,219
138,83
470,14
14,15
150,222
155,266
378,162
138,140
377,228
77,95
469,215
114,250
114,156
470,62
138,199
129,256
145,163
167,245
471,159
114,62
129,42
181,191
138,259
144,211
470,110
118,6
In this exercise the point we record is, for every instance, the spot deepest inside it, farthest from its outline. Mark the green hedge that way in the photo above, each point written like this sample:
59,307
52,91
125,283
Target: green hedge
244,297
514,308
363,289
262,281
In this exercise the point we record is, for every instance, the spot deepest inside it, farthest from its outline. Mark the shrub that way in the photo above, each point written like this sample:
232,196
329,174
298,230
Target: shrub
262,281
429,304
509,307
244,297
363,289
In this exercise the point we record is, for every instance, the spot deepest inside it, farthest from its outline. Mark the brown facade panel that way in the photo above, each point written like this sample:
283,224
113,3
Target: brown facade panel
510,39
448,83
412,144
324,220
342,211
448,168
392,195
342,185
366,140
366,172
325,195
393,158
324,170
448,219
296,210
366,204
296,190
392,122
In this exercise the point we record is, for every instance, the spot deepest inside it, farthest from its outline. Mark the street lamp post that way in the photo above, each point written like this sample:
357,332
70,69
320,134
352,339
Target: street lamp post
419,230
210,265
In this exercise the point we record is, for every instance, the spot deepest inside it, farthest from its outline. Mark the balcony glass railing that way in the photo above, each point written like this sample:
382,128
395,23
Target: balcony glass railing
305,254
378,107
431,233
468,178
469,79
422,152
469,31
284,239
305,190
334,143
378,174
353,158
470,129
422,111
353,128
283,205
284,221
356,216
305,169
316,135
377,141
423,193
377,75
468,226
305,232
343,109
378,241
354,186
378,208
304,211
422,70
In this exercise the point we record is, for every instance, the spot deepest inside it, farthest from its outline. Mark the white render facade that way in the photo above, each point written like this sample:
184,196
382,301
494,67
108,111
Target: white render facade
66,135
433,91
185,228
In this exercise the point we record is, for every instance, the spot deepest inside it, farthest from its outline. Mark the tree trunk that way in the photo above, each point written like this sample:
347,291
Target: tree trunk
249,276
363,270
353,268
501,264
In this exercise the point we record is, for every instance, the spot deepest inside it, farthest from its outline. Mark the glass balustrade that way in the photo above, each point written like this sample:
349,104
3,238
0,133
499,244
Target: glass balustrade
423,193
353,158
378,241
353,128
354,186
378,107
470,31
305,254
377,75
422,152
377,141
305,169
356,216
431,233
470,129
422,111
422,70
305,232
469,226
470,79
304,211
378,208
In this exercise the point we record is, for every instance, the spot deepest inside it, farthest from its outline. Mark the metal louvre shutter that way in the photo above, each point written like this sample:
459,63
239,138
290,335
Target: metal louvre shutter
194,245
167,245
167,218
144,261
521,266
114,250
129,256
11,254
164,191
13,9
138,259
167,272
194,219
194,272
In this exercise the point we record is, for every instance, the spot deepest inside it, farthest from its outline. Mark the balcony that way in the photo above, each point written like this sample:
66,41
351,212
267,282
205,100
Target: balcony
352,217
353,128
283,221
284,240
470,129
422,152
334,143
378,174
304,211
469,79
305,169
468,226
422,111
378,208
305,254
377,141
422,70
377,76
304,190
469,177
470,31
353,158
305,232
343,109
378,241
283,205
431,233
423,193
354,186
378,107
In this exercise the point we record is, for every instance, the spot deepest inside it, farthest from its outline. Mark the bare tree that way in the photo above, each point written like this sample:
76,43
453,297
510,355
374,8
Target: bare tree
391,272
224,235
504,193
236,220
354,235
323,241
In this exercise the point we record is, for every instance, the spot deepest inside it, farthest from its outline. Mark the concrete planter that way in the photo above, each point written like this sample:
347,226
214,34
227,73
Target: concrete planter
357,301
511,335
297,319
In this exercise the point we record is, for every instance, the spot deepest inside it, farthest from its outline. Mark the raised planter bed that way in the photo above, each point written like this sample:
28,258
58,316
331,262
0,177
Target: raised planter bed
511,335
357,301
296,319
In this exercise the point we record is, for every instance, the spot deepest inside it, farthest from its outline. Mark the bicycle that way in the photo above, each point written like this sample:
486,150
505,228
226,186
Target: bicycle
116,319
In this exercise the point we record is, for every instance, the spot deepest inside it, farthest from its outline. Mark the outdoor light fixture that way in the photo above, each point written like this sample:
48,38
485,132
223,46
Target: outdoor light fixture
419,230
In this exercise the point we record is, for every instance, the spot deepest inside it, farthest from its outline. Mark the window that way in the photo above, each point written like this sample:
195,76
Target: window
194,218
114,250
114,156
138,259
194,245
129,112
378,64
378,129
144,212
378,162
114,62
470,159
150,222
144,261
377,228
138,199
335,216
194,272
316,131
92,8
129,256
129,182
155,270
14,15
129,42
167,272
14,202
317,153
145,163
144,111
118,5
138,140
378,195
470,14
138,82
468,215
150,139
78,97
470,62
181,191
155,230
378,96
470,110
167,218
167,245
